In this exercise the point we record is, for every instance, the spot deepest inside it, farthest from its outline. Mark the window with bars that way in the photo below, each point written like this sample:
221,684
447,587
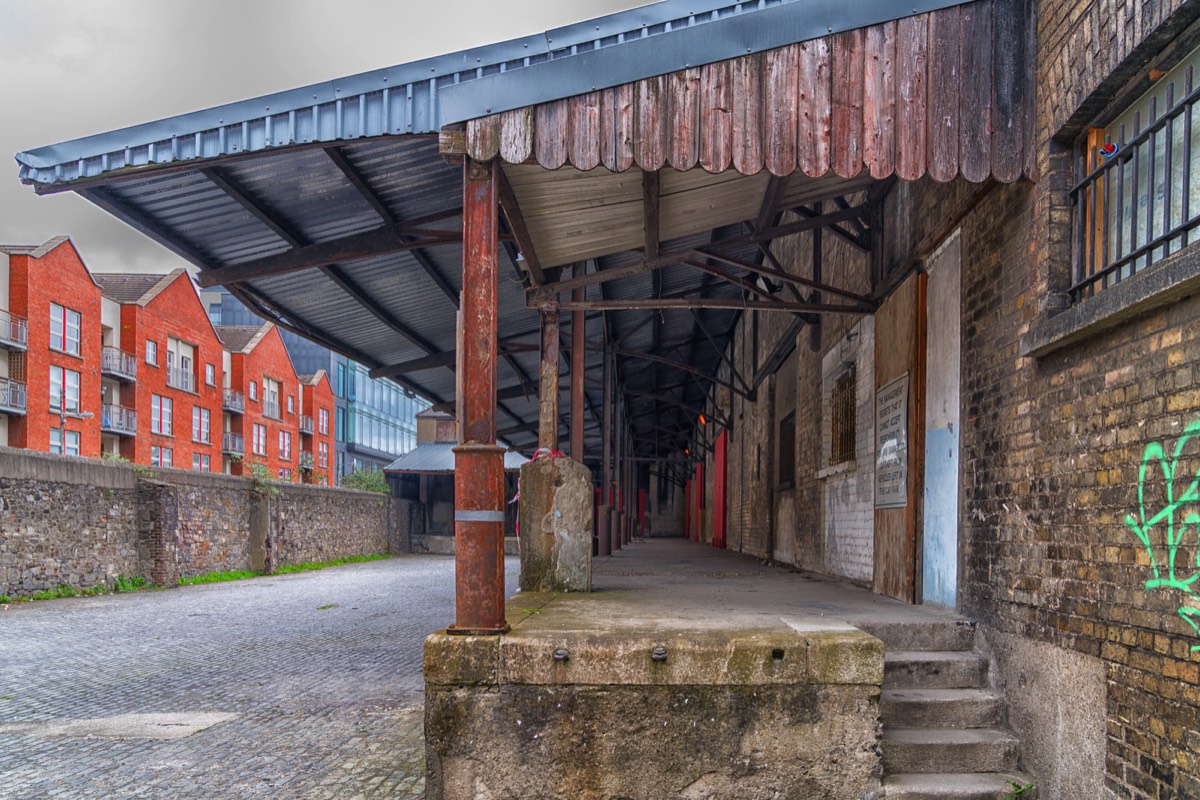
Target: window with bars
843,418
1137,196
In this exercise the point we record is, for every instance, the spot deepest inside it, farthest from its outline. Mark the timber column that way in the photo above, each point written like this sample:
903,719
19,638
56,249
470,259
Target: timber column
478,460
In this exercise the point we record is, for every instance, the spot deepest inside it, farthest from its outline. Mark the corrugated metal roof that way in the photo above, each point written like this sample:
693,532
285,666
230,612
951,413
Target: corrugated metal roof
431,457
423,96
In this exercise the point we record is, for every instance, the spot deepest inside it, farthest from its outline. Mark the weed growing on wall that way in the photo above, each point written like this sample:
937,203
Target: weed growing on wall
366,480
1165,562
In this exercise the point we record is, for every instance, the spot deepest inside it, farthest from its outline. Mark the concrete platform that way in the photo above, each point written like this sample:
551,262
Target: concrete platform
688,672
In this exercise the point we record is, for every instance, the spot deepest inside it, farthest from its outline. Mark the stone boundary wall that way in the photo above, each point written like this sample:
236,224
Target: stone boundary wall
83,522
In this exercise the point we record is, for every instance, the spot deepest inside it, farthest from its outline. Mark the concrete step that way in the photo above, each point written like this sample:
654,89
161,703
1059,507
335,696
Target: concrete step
941,708
913,669
959,786
940,750
956,634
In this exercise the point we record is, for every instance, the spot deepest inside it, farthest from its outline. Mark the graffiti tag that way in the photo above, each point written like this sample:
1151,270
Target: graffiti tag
1167,572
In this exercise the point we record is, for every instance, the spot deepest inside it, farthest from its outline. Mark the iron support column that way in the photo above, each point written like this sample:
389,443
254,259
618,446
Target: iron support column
605,513
478,460
618,500
548,407
578,362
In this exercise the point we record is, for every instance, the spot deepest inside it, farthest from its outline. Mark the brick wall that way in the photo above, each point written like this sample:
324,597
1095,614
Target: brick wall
82,523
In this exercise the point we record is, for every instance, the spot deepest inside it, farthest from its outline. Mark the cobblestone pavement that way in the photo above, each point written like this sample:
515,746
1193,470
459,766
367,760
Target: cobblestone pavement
321,670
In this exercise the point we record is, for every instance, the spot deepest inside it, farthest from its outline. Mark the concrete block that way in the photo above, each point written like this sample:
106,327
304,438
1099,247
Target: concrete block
452,660
556,526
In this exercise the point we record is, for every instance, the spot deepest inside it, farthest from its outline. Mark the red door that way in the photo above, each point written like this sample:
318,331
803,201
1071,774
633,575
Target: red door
719,491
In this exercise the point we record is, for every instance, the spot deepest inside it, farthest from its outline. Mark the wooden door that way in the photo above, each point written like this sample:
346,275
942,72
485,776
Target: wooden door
899,445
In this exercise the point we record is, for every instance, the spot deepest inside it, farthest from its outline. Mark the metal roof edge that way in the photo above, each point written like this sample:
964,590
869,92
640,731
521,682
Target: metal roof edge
769,28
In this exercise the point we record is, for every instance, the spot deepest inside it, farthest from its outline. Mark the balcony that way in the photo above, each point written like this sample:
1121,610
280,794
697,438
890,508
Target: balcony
306,425
14,331
233,401
232,444
271,409
118,419
306,459
118,364
12,397
181,379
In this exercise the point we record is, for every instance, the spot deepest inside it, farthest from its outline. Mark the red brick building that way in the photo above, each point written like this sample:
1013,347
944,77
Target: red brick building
316,429
50,338
266,428
165,337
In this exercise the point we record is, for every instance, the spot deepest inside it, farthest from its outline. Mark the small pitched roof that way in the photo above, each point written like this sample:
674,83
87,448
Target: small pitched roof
312,379
438,457
241,338
134,287
35,250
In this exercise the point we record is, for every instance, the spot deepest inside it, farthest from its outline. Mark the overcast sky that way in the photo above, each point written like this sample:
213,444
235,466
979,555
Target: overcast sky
70,68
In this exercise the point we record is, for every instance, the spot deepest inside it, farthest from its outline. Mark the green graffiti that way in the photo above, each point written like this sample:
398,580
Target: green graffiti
1166,575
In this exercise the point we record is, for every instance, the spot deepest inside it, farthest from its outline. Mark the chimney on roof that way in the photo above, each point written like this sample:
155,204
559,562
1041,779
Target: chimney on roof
436,427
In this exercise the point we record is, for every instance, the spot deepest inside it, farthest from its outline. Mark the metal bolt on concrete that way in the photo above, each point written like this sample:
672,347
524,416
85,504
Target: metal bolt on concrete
320,672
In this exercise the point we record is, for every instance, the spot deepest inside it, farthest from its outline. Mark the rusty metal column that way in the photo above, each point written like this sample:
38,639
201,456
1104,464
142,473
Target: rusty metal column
618,499
478,460
605,512
548,406
578,362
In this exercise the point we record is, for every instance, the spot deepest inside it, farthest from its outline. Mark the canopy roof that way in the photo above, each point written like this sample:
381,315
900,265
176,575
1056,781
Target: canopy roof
656,149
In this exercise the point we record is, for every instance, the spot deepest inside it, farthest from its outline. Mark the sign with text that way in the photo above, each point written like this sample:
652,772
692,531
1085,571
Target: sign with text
891,444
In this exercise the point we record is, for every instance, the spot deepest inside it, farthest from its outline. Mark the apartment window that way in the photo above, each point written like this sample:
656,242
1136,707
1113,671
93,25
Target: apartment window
843,418
253,390
56,442
201,462
1137,195
64,329
259,444
271,398
323,421
285,474
210,374
323,455
180,360
201,418
64,384
291,404
285,445
341,380
161,456
161,412
152,352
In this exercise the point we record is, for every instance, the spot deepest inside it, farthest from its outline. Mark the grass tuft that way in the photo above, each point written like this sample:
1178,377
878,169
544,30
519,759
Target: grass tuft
218,577
337,562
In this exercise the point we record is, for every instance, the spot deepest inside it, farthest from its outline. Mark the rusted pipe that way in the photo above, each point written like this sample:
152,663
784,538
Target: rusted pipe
478,460
548,405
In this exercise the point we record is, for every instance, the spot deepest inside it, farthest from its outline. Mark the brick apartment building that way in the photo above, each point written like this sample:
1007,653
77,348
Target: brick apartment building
266,429
162,373
50,338
129,365
317,413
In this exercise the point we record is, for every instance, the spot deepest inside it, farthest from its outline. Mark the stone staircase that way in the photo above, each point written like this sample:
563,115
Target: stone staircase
944,733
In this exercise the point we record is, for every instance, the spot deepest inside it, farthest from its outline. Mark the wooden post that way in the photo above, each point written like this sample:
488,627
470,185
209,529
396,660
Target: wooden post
478,460
548,406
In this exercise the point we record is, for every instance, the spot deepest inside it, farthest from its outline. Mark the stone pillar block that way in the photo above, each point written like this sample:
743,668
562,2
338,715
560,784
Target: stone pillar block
556,526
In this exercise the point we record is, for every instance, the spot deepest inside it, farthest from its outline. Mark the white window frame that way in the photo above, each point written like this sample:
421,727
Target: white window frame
323,421
258,445
253,390
65,326
152,352
201,462
210,374
285,445
161,415
57,376
201,425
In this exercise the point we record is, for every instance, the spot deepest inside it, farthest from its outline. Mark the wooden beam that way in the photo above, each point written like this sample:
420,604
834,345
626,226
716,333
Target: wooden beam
550,291
516,222
355,247
734,303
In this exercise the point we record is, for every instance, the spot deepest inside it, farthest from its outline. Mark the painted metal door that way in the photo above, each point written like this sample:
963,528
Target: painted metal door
719,465
939,573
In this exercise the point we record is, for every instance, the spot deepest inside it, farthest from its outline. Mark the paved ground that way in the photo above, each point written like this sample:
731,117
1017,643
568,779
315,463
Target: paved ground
320,673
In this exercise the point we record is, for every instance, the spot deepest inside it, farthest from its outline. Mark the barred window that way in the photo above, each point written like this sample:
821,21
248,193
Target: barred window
1137,199
843,418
